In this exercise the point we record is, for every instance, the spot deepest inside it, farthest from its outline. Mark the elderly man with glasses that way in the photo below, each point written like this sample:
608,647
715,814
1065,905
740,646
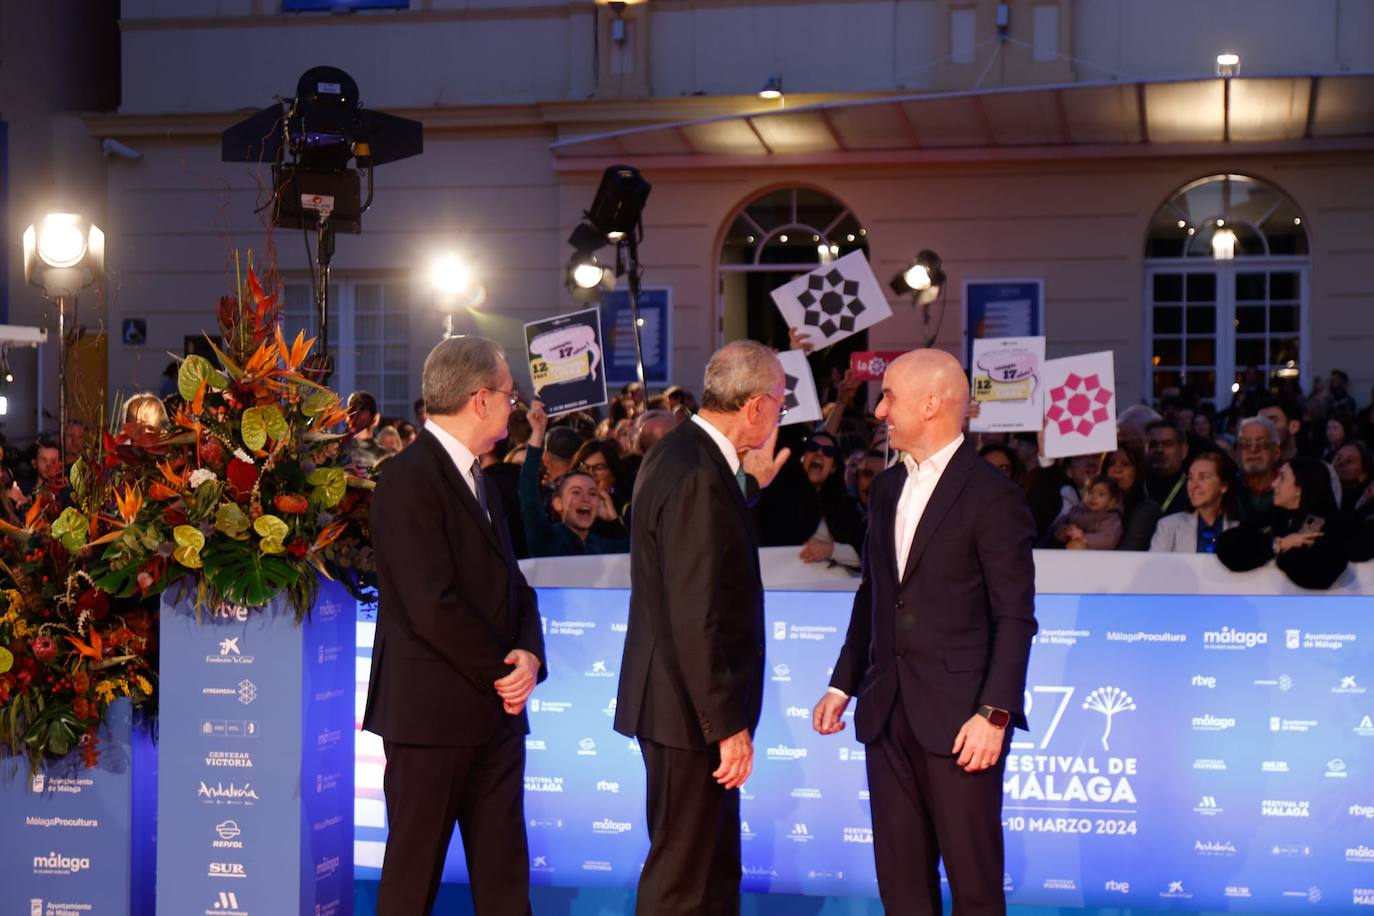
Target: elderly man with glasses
1258,448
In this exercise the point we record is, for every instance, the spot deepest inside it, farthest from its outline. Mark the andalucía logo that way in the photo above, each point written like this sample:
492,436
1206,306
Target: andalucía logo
231,794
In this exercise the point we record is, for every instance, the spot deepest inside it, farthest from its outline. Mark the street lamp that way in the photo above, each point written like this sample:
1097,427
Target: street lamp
63,254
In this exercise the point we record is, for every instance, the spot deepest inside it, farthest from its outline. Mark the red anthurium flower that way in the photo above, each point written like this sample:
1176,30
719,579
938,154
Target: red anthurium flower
298,547
242,476
95,601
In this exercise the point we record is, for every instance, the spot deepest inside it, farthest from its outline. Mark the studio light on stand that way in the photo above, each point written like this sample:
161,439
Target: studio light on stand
455,289
615,218
924,280
63,254
321,145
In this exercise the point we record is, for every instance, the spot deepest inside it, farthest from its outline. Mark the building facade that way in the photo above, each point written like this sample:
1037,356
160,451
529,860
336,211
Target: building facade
1073,142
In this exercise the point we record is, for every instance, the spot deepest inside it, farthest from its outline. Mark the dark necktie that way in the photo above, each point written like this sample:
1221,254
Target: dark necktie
479,483
743,484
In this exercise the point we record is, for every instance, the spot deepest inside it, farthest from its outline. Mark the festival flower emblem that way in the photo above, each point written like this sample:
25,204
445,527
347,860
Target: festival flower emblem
1079,405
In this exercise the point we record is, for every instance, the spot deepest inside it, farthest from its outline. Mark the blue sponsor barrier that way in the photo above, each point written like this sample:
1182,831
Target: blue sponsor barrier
255,788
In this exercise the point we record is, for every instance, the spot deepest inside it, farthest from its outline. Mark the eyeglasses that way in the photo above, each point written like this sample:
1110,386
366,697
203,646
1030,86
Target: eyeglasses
782,403
829,451
511,396
600,467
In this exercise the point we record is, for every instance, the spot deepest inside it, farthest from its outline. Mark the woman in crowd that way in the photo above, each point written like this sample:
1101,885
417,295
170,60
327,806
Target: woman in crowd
1303,533
389,438
146,409
1340,429
1208,477
1005,460
1351,463
807,504
1126,469
601,459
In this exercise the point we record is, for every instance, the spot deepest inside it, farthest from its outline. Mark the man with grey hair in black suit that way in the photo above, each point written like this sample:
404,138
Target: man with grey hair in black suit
691,681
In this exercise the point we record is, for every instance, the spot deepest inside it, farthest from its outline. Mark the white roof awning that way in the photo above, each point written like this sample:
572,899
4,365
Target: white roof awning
1165,117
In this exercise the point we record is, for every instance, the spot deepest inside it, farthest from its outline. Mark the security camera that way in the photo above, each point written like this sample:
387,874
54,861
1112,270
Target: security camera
111,148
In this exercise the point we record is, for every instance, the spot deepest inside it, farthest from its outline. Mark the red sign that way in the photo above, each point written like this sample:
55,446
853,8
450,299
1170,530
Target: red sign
870,365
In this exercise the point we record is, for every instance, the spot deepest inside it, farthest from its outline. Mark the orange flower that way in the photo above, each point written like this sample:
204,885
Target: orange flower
130,501
291,503
159,490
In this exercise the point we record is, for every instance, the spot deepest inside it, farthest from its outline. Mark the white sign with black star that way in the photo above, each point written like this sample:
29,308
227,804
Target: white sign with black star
802,403
833,301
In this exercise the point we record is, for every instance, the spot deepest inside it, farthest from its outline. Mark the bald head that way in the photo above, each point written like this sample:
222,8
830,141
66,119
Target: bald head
925,397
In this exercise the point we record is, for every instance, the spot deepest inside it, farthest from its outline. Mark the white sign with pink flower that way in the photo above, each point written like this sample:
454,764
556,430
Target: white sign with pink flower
1080,405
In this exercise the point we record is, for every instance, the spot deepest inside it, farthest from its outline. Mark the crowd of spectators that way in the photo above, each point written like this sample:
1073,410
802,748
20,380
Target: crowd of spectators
1279,474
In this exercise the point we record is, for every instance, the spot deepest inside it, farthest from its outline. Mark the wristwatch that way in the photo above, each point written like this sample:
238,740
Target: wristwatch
999,718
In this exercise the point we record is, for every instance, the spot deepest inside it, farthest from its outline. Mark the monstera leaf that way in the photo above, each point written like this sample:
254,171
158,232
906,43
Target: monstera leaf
189,543
259,423
55,730
70,529
273,532
242,575
194,370
330,485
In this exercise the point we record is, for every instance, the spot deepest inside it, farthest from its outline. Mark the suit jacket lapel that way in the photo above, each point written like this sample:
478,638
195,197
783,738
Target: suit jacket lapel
946,494
722,466
462,491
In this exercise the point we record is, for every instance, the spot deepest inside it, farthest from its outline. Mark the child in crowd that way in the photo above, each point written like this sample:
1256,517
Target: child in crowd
1096,523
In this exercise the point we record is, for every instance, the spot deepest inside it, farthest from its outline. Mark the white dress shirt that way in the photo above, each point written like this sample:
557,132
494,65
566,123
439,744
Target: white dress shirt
921,479
462,455
727,448
911,505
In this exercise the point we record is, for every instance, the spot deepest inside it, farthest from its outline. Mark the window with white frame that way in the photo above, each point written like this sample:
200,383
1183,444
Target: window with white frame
1225,288
369,335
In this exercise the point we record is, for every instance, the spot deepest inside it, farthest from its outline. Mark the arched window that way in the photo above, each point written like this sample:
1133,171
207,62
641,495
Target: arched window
1225,288
776,236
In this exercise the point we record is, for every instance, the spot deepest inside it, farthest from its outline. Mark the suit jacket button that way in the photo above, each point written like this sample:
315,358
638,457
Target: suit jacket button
901,603
901,653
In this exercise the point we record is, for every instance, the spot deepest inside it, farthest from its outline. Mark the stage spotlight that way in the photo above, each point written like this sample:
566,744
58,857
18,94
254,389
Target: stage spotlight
450,275
772,89
63,254
618,205
587,279
923,277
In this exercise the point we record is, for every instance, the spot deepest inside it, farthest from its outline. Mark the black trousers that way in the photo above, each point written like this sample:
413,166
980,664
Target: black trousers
482,789
693,865
925,808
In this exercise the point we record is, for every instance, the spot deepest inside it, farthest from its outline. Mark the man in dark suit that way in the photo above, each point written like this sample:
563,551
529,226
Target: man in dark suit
691,681
458,649
937,647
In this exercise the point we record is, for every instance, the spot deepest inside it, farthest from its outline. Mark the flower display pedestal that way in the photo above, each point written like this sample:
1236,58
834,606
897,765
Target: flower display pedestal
77,841
255,788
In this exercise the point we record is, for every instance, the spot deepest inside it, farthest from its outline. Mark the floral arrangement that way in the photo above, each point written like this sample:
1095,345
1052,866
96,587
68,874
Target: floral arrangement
239,500
66,650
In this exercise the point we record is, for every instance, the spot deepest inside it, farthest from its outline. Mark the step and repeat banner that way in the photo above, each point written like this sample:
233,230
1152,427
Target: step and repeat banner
1192,753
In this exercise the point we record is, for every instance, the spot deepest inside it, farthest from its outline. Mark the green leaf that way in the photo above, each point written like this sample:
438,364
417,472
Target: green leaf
79,477
330,485
242,575
189,542
318,403
70,528
261,422
229,519
194,370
